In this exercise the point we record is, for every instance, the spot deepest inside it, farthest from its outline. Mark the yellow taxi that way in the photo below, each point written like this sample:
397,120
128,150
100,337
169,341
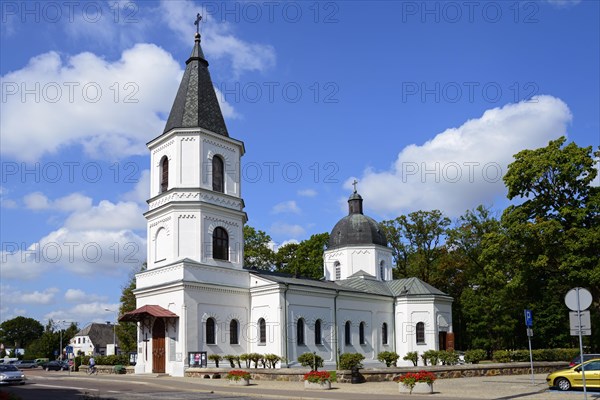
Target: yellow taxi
565,379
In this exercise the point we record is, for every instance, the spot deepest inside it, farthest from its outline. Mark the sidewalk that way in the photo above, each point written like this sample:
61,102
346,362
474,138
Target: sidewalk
504,387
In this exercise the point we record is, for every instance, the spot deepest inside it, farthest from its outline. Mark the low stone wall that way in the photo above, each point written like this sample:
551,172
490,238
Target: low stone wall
388,374
107,369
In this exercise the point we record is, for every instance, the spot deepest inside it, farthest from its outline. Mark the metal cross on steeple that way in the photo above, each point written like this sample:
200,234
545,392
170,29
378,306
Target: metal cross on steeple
354,184
197,22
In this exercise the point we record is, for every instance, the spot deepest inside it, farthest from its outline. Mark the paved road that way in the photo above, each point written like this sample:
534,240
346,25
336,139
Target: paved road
61,385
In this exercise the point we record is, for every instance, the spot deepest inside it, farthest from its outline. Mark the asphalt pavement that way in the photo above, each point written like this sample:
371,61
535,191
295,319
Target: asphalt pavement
120,387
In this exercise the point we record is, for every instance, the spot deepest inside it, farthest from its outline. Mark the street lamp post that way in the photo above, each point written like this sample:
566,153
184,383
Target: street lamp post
114,331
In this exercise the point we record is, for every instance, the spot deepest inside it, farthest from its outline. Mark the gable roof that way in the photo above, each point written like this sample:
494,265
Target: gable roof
360,282
99,334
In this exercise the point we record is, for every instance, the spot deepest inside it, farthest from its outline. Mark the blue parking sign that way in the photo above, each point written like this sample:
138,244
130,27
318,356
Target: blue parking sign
528,318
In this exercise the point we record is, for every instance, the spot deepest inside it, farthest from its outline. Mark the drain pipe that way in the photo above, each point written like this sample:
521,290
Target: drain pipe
394,325
285,327
335,331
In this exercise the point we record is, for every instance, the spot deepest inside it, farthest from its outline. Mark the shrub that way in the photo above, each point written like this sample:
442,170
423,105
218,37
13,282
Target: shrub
246,358
232,360
432,355
475,355
502,356
236,375
216,358
255,358
448,357
311,360
317,376
351,360
412,356
272,360
388,357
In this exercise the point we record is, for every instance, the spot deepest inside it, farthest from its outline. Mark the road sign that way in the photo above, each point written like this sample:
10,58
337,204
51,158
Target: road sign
586,325
69,349
585,299
528,318
529,332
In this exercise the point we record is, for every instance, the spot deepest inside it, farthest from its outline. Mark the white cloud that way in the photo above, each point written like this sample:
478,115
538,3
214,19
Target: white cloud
563,3
71,202
71,97
286,207
307,193
462,167
36,201
141,191
85,313
93,239
15,296
289,230
79,296
217,39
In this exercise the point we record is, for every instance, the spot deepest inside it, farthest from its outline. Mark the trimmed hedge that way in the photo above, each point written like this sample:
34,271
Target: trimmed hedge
538,355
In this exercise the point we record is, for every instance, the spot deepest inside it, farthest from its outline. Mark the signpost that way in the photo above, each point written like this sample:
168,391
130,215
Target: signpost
529,325
579,299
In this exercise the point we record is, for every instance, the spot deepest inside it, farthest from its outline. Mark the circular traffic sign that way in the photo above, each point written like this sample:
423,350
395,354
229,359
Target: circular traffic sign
583,295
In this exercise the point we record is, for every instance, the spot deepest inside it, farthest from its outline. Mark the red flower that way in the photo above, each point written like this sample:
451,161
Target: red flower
317,376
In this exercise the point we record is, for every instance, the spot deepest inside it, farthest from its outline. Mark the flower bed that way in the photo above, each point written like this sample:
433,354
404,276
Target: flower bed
409,381
317,380
237,375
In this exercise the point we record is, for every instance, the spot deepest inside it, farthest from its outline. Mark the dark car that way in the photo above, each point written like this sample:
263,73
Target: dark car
11,374
586,357
55,366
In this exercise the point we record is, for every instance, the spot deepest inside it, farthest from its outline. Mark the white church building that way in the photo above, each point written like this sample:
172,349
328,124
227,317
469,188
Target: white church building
196,296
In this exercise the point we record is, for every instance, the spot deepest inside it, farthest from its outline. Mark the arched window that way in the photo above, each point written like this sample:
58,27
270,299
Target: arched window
218,177
164,174
384,334
420,333
262,331
220,244
347,333
338,271
300,331
318,339
233,332
361,333
210,331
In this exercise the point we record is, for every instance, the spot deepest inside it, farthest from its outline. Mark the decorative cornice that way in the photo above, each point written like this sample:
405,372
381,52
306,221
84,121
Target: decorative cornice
162,147
219,144
196,195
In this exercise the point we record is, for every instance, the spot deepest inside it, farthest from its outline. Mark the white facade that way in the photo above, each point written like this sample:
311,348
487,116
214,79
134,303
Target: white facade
195,295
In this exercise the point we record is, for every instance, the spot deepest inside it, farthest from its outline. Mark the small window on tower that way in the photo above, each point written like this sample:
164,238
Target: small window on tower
218,178
338,271
220,244
164,174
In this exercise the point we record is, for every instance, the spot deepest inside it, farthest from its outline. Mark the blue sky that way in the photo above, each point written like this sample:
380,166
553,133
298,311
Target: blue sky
424,103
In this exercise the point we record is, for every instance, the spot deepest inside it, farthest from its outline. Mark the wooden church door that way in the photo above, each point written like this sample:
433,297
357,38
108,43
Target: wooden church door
158,347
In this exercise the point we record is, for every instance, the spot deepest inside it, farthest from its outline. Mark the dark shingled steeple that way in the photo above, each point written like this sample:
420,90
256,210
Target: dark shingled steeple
196,103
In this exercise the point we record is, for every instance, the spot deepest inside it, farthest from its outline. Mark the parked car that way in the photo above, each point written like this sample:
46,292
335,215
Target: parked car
566,379
11,374
586,357
55,366
22,364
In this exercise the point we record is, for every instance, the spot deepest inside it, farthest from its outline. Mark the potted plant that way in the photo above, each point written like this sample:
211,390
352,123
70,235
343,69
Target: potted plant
417,382
238,377
317,380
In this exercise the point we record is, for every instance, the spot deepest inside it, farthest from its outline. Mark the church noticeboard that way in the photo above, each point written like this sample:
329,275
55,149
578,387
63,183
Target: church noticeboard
198,359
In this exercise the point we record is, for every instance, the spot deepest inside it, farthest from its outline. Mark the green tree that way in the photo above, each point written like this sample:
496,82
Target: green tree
257,253
553,234
307,260
20,331
417,243
127,331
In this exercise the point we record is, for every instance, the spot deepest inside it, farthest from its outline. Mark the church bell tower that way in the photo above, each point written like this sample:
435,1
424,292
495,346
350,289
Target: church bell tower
196,211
